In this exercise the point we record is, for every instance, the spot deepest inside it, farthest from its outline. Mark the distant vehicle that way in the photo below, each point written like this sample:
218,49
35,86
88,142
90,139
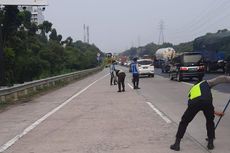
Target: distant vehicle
146,67
165,53
213,60
165,66
227,66
158,63
108,59
163,56
187,65
123,60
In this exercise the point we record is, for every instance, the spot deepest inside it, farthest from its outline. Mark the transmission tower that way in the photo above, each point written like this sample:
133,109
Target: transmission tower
161,34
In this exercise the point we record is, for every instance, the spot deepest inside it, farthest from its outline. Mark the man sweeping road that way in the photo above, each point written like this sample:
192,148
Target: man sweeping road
200,99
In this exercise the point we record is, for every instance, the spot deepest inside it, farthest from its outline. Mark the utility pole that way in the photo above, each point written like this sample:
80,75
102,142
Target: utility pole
161,34
84,28
88,34
139,41
2,27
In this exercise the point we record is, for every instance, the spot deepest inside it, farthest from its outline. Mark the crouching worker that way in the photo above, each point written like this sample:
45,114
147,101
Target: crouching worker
121,80
200,99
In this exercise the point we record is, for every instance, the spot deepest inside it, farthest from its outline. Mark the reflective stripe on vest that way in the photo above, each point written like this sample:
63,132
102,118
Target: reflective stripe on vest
195,91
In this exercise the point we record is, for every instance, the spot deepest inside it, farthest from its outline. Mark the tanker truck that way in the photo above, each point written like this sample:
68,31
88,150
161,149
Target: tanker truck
163,57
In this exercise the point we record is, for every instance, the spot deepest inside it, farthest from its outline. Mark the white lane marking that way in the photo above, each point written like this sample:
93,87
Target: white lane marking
165,118
187,83
36,123
130,86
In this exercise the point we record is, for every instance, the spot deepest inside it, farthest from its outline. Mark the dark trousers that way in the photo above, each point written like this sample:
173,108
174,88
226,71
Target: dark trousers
136,80
121,81
113,79
190,113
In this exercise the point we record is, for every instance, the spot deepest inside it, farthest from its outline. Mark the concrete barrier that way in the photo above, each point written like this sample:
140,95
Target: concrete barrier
28,89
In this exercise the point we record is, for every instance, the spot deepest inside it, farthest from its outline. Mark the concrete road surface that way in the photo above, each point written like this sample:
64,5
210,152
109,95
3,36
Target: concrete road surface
89,116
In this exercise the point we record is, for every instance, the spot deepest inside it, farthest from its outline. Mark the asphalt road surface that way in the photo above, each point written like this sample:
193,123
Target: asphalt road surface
89,116
171,96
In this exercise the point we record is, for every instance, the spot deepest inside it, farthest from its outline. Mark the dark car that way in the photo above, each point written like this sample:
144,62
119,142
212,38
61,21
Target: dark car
187,65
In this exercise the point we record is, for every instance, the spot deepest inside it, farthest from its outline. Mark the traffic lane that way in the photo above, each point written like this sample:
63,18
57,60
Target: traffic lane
18,117
171,97
225,88
102,120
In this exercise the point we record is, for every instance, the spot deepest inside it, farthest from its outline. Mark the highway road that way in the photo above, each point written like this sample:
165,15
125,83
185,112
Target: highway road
171,96
89,116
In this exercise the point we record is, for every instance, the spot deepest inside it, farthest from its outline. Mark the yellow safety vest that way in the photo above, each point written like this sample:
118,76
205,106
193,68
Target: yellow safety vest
195,91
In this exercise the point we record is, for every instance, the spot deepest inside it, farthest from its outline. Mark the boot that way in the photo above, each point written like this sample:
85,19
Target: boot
176,145
210,145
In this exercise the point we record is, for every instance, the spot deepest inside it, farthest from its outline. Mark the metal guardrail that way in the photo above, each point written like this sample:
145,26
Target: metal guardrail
22,90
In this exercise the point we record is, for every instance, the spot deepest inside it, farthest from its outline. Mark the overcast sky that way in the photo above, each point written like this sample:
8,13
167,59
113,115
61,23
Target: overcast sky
117,25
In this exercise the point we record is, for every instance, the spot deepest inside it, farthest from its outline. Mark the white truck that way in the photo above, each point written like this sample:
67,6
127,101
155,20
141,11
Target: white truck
163,56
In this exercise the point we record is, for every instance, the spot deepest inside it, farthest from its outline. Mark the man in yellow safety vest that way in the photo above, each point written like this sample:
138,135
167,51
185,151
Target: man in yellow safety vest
200,99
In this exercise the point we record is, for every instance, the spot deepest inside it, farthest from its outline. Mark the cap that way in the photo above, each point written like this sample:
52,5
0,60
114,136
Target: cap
135,59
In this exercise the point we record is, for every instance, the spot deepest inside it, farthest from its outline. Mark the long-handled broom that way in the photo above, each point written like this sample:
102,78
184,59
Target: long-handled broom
220,114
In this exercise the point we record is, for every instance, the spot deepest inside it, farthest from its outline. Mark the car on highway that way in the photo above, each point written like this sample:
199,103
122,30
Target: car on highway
146,67
187,65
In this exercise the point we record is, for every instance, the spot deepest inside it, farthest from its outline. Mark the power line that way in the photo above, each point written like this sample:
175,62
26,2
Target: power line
203,18
205,22
201,25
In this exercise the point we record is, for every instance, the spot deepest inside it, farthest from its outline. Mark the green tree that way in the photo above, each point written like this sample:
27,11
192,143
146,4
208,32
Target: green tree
30,56
45,28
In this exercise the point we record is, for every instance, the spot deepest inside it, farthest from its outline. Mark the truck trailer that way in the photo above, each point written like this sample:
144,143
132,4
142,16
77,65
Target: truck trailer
163,57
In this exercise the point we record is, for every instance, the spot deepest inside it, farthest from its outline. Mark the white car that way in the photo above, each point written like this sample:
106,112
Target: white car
146,67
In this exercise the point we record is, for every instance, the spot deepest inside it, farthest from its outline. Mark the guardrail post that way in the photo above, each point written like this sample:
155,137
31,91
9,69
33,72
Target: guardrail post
41,86
15,96
25,91
3,98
